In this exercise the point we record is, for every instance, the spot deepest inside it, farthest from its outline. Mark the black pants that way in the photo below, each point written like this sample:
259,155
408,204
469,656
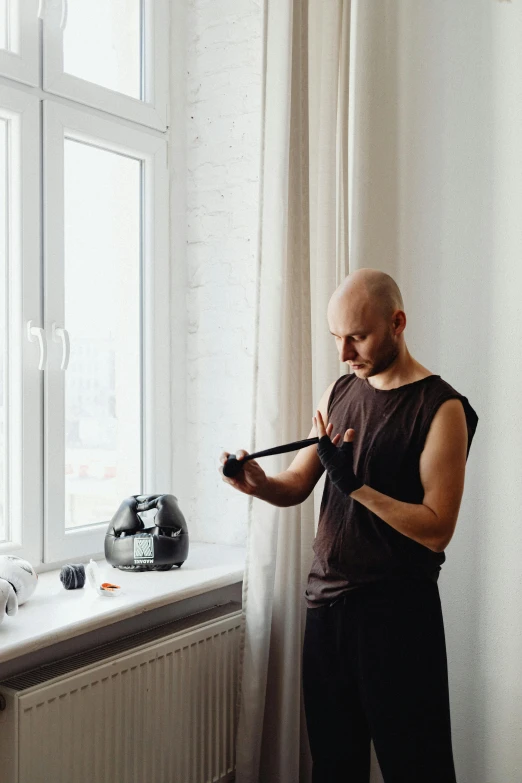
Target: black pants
374,667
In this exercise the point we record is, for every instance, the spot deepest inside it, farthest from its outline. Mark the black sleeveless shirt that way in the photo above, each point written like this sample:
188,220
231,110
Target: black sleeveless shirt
354,546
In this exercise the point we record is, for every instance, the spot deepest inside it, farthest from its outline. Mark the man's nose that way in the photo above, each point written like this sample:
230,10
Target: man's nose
348,351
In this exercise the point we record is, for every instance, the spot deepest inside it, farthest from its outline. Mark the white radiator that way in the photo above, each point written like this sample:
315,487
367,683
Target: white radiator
155,707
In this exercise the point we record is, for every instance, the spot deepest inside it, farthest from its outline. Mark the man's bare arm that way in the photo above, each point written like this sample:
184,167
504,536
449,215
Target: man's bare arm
442,468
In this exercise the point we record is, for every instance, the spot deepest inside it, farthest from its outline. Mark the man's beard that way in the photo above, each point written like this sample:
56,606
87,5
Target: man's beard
388,353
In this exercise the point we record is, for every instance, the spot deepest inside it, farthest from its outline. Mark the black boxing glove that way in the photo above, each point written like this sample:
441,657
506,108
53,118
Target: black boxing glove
126,520
169,519
338,463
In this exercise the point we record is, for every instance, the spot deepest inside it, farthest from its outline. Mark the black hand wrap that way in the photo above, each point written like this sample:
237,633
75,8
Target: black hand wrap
338,463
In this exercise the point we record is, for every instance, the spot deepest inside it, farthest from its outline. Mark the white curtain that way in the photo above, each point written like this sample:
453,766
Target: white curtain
302,258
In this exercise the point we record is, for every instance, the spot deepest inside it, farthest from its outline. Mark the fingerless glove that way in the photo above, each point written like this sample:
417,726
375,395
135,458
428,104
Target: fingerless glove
338,463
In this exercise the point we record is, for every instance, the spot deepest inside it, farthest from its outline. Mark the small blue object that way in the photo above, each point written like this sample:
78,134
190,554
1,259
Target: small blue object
72,576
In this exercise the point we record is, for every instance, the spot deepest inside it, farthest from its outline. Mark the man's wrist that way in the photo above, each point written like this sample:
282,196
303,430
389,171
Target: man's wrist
338,462
358,492
262,492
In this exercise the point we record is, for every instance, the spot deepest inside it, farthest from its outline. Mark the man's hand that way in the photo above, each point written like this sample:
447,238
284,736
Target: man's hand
251,478
338,462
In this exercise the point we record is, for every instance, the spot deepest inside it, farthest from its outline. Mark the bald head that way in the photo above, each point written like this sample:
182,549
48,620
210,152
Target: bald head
367,319
370,290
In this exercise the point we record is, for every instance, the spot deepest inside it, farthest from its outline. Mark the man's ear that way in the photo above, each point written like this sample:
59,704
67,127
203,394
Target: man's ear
399,322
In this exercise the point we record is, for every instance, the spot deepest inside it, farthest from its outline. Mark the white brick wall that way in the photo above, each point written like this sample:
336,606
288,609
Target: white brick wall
216,159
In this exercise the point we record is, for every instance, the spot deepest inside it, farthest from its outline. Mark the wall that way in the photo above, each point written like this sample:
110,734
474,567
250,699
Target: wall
217,45
438,134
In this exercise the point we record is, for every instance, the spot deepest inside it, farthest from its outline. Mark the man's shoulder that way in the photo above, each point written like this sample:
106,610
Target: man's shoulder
339,387
344,381
445,390
442,391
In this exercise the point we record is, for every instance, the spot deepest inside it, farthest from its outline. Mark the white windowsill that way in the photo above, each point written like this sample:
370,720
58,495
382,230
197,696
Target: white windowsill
54,614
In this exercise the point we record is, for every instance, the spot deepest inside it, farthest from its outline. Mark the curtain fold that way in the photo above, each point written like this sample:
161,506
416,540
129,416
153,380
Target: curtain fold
303,255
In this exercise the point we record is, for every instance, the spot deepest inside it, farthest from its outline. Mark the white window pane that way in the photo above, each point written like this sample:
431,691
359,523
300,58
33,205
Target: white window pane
4,531
102,44
4,38
9,25
102,314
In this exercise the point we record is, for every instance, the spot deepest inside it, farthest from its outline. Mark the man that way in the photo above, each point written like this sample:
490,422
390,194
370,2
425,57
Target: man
374,655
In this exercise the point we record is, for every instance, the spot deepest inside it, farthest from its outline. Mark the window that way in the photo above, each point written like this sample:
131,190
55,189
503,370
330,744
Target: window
84,334
109,54
19,44
4,374
20,382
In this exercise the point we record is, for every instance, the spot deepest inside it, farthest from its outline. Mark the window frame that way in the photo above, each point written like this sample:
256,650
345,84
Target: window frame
60,122
26,89
24,66
25,381
153,111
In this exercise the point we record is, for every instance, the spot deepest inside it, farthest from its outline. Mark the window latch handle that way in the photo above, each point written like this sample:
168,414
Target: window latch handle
62,335
65,14
44,6
37,333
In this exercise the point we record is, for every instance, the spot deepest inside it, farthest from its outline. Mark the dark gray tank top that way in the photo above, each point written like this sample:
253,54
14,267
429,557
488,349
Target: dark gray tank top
353,546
